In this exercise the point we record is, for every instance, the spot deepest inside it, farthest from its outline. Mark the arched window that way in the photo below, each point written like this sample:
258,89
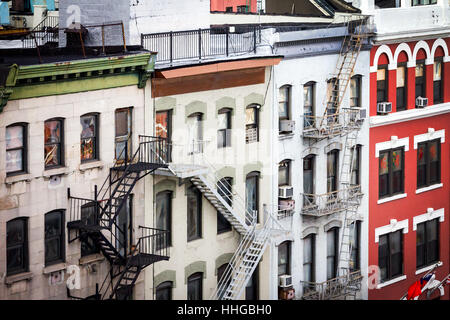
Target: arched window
194,214
308,180
284,173
252,123
438,88
224,128
308,104
252,196
333,100
284,258
16,148
224,189
164,213
382,82
195,127
309,261
220,273
420,82
195,286
164,291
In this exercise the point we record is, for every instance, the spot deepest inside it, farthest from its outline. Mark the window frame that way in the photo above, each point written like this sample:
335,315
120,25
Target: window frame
285,165
428,163
166,285
193,192
404,96
421,3
254,125
390,173
389,273
358,80
254,175
426,243
311,236
422,80
195,279
227,131
308,123
96,138
440,98
60,143
169,195
223,225
287,102
24,245
335,256
288,264
356,171
385,82
122,138
61,238
335,188
24,149
356,237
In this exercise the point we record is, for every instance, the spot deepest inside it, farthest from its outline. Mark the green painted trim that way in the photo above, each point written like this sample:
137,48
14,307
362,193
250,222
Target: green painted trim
145,74
194,107
221,260
250,167
227,172
74,86
226,102
165,185
168,275
254,98
194,267
166,103
7,90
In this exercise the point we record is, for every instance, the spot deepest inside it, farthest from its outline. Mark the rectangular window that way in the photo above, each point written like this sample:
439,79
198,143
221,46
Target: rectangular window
224,189
308,180
163,124
428,163
284,258
391,172
123,134
251,124
356,166
309,258
384,4
284,102
333,96
54,142
332,252
224,128
54,238
423,2
284,173
16,246
89,216
437,82
195,286
427,243
420,79
89,138
195,126
194,214
308,105
401,87
16,149
355,242
382,84
390,255
332,171
242,9
164,213
355,92
251,196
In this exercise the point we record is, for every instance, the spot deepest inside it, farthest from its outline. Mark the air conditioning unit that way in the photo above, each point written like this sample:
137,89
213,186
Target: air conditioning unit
421,102
384,107
285,192
287,125
287,204
285,281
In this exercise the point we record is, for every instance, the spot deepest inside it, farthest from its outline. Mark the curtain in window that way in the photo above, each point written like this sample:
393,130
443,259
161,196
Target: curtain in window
14,148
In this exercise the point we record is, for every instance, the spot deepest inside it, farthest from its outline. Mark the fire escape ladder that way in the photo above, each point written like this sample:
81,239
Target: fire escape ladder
45,32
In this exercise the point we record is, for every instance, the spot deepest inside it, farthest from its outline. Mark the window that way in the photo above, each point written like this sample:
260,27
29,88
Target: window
284,104
251,196
164,291
420,79
17,246
356,166
382,84
195,133
220,273
355,241
332,252
54,142
437,81
251,124
54,238
332,170
423,2
401,87
309,267
284,173
428,163
284,258
21,6
89,138
384,4
123,134
355,92
123,225
427,242
163,127
390,255
224,128
89,215
391,172
164,213
229,9
195,286
194,214
16,149
333,102
243,8
224,189
308,180
308,105
252,288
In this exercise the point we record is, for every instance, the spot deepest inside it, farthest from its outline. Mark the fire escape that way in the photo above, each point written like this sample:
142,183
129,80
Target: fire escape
346,123
95,221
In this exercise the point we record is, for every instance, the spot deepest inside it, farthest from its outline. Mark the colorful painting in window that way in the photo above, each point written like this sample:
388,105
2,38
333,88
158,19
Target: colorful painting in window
162,121
52,139
433,151
421,154
88,139
396,160
384,163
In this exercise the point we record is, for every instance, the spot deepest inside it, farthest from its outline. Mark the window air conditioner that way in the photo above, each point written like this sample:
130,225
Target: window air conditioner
285,281
384,107
421,102
285,192
287,125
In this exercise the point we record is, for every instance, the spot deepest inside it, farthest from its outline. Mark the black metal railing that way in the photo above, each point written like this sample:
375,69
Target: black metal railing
155,150
154,241
201,43
46,31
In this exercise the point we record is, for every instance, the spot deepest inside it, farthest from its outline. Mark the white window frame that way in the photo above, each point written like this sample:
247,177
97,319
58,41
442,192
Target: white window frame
431,214
429,136
394,143
392,227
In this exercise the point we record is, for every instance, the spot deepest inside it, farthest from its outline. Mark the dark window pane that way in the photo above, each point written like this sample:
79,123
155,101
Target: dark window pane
121,123
284,258
195,287
164,291
163,212
193,214
16,246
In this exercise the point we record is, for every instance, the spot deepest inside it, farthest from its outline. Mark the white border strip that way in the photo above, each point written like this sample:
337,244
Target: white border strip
396,197
392,227
387,283
430,135
431,214
395,142
428,268
432,187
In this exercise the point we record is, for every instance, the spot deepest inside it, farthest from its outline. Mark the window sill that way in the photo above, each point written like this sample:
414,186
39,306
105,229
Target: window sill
429,188
91,165
18,178
428,268
18,277
396,197
392,281
55,268
55,172
285,135
96,257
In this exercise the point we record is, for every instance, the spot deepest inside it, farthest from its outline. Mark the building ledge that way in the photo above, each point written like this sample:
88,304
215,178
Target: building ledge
18,178
55,172
18,277
396,197
433,187
428,268
96,257
91,165
55,268
285,135
395,280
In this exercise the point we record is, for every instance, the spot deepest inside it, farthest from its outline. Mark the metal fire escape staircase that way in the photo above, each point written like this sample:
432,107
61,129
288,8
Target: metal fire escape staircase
96,220
338,121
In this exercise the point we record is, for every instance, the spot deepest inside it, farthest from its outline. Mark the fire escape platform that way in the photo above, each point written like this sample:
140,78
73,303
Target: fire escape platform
182,171
140,166
143,259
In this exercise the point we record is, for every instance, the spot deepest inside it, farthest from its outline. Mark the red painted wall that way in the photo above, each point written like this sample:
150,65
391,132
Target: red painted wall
413,205
221,5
